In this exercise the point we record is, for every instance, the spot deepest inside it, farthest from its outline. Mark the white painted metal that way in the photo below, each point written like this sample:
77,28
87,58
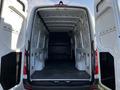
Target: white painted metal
12,29
107,33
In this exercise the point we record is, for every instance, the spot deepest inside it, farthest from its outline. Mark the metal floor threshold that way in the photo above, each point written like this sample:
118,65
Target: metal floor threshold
57,80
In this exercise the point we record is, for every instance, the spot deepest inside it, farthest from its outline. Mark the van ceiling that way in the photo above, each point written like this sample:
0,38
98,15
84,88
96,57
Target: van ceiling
62,18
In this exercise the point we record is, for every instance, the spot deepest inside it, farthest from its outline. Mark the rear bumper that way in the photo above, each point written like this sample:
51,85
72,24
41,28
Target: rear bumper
59,86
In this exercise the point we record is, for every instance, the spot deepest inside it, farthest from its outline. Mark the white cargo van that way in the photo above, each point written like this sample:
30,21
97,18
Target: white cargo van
54,46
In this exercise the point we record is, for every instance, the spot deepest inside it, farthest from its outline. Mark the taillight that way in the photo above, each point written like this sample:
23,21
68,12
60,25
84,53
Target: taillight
96,63
25,70
25,66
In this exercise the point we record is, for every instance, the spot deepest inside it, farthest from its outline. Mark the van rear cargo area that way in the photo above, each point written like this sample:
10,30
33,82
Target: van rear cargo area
60,64
60,46
60,70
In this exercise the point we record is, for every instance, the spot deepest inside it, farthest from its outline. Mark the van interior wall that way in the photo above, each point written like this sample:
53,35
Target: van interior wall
80,37
39,45
83,46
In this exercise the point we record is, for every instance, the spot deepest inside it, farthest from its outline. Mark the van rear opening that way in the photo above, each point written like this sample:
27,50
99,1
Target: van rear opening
60,46
60,64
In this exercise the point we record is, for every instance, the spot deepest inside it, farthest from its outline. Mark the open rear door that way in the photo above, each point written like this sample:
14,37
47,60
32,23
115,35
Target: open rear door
12,28
107,17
